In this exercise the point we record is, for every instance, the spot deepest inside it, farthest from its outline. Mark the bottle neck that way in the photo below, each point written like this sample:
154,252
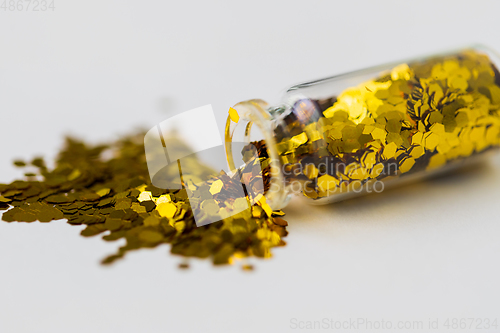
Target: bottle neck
250,122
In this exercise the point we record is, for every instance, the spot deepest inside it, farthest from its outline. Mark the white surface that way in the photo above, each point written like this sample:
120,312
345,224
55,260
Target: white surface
99,68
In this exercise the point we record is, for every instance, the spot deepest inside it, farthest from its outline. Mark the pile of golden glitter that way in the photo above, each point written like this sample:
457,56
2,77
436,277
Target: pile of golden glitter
114,197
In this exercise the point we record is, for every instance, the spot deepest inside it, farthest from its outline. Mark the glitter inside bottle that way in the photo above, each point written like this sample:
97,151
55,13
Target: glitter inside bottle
356,133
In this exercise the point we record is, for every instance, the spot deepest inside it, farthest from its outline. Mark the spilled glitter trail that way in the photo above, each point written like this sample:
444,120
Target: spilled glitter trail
114,198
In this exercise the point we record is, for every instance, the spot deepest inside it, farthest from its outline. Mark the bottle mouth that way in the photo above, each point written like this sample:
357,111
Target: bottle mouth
249,122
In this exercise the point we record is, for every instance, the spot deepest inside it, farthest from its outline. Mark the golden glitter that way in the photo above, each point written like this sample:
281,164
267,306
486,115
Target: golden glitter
115,197
417,116
234,115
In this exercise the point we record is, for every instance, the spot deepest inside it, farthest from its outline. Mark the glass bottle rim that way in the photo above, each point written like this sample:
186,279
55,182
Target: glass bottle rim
250,112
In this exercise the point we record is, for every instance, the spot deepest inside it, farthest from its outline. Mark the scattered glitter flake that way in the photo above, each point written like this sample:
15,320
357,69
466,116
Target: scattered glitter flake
216,187
145,196
279,221
234,115
247,267
167,209
102,192
186,266
19,163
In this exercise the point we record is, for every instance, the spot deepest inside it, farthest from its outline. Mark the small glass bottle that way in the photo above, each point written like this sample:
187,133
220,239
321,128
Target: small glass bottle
359,132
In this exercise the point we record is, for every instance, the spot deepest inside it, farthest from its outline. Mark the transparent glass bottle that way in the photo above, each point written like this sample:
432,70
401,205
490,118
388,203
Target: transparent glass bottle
359,132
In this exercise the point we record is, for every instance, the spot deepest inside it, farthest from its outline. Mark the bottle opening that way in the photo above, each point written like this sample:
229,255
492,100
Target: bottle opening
251,151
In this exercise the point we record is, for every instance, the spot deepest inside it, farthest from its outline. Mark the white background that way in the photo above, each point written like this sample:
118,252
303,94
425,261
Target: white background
96,69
